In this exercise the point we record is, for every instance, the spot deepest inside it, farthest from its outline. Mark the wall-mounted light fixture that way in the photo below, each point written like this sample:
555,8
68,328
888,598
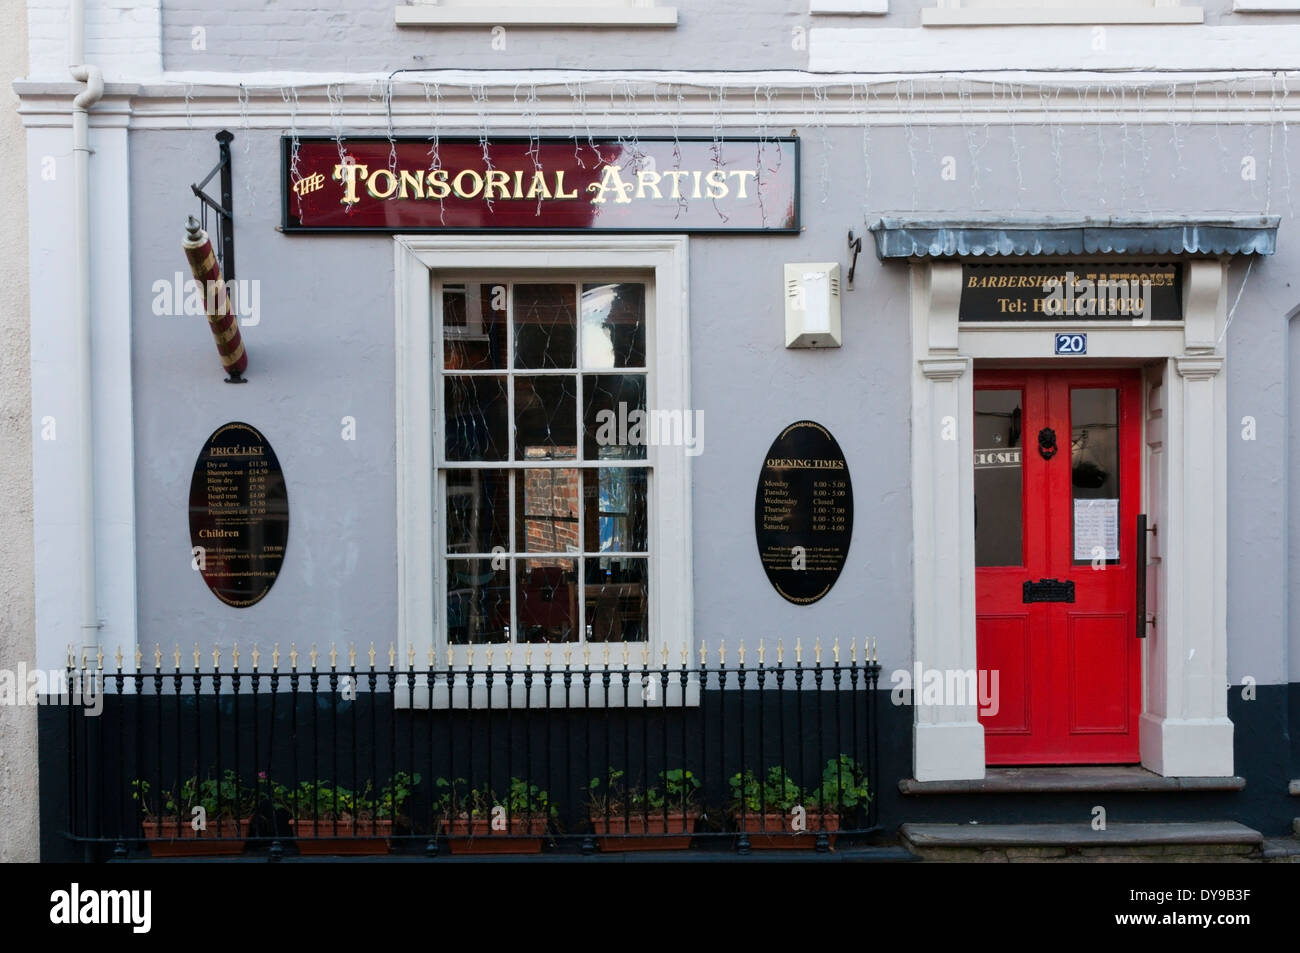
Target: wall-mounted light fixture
812,304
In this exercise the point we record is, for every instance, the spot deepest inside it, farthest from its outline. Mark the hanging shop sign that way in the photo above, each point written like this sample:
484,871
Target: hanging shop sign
524,185
1070,292
239,515
803,512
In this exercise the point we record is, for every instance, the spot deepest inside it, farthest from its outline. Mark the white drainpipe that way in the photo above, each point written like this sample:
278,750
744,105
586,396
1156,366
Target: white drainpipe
91,94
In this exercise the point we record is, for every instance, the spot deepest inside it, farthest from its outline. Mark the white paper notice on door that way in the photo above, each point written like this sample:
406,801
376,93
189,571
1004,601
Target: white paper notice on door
1096,529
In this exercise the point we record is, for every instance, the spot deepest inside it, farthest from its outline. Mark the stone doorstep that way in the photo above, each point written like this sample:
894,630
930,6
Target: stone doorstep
1074,779
1285,850
1180,837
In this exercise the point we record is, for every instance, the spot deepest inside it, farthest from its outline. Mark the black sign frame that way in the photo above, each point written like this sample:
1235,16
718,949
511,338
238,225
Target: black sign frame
289,226
1022,297
238,514
804,498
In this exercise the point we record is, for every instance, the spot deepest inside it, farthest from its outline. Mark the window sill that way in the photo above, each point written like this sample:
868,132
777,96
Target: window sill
849,7
534,16
523,694
1266,6
1082,15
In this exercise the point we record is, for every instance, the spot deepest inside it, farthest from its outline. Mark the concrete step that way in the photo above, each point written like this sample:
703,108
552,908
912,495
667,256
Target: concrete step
1219,841
1282,850
1071,780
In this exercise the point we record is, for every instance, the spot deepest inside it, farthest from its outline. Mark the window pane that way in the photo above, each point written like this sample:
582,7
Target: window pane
612,431
475,411
614,514
478,601
613,326
1094,472
546,326
473,330
616,594
546,410
477,510
547,590
546,507
998,478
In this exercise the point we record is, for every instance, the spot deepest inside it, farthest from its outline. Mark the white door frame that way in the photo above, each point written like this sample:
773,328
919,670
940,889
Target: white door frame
1184,729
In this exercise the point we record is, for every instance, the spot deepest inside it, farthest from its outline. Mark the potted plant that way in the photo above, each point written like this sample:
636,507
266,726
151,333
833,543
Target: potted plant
774,811
204,818
843,790
660,818
329,819
480,822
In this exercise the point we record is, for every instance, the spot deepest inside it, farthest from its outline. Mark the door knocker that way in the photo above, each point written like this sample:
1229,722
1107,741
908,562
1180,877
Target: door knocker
1047,443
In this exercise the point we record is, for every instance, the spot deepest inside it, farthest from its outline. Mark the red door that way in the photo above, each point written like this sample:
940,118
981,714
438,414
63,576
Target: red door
1057,463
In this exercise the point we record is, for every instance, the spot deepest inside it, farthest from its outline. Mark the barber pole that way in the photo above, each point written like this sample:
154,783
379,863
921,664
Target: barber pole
221,315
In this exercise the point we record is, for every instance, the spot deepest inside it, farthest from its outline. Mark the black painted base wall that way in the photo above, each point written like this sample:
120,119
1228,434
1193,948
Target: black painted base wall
1267,755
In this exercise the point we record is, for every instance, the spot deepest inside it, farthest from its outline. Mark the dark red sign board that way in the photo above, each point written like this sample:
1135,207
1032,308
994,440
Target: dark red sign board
522,185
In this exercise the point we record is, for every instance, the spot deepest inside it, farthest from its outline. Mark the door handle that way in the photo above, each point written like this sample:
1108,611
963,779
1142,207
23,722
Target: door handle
1141,560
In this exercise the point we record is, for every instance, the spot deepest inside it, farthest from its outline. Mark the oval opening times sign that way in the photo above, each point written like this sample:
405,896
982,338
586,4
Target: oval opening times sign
803,512
239,515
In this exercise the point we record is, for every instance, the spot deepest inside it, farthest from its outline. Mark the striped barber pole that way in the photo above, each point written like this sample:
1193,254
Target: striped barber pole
221,315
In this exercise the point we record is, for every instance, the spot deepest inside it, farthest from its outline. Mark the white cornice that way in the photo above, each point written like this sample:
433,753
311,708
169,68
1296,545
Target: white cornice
459,102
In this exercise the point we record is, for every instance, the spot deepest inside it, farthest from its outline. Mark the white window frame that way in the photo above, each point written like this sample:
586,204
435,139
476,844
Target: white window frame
1058,12
419,260
536,13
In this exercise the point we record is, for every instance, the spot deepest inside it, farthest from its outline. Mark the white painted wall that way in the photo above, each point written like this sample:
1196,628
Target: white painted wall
18,776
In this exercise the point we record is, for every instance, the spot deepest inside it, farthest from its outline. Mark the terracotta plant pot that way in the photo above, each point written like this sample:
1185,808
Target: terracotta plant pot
169,837
771,831
621,833
477,837
321,837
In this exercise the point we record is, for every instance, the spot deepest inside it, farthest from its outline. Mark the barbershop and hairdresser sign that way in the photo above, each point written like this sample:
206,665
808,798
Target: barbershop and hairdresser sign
1106,291
522,185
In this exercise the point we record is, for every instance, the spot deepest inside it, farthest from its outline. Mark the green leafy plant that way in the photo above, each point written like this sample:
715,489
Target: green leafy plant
325,801
680,791
843,786
609,796
322,801
218,798
456,800
778,792
394,796
528,799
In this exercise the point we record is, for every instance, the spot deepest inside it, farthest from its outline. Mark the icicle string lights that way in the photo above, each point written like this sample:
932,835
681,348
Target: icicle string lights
480,98
1139,132
388,114
434,105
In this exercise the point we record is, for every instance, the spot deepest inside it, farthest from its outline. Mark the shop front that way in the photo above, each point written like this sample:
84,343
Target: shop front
1088,573
560,448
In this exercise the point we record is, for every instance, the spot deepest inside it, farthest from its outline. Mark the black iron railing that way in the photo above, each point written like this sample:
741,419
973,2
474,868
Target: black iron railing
508,752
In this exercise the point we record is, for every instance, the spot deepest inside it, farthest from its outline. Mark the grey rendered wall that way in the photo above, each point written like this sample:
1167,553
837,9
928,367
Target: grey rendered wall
18,776
324,349
359,35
